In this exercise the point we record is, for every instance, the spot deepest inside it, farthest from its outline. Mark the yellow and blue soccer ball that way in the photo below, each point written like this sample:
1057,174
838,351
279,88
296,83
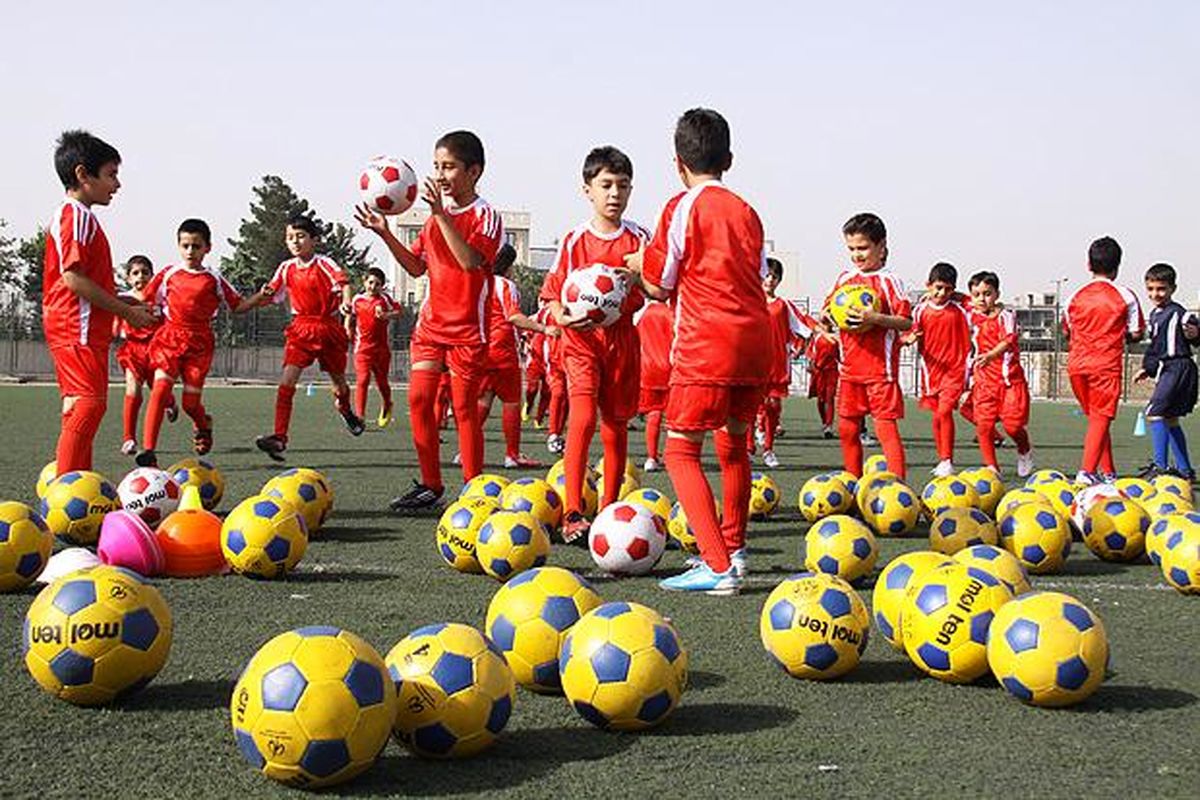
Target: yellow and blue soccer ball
97,634
589,492
511,542
456,691
956,528
874,464
313,707
1179,558
852,296
1162,529
764,496
309,493
1048,649
893,584
840,545
534,496
47,474
849,478
653,501
999,562
74,506
869,484
1018,497
202,474
263,537
630,469
486,485
529,618
1060,493
948,492
681,531
1115,529
1164,504
1138,489
823,495
1175,485
623,667
1044,476
893,509
814,626
1037,536
945,619
458,532
25,545
629,483
987,485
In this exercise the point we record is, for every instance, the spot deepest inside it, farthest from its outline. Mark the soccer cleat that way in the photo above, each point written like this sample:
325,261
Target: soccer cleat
770,460
651,465
520,461
1108,477
172,412
385,416
354,423
1087,478
128,447
418,497
701,578
867,439
202,438
524,414
273,445
146,458
1025,465
537,424
737,562
575,526
944,469
827,432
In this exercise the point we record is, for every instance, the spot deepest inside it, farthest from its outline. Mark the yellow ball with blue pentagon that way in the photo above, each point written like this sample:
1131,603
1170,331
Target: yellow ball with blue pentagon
1162,529
263,537
823,495
1175,485
74,506
308,491
764,495
653,501
511,542
623,667
1044,476
1020,496
202,474
851,297
1164,504
875,463
1138,489
955,528
1180,557
840,545
458,532
48,473
1037,536
869,484
681,531
534,496
893,584
313,707
892,509
485,485
948,492
25,545
1060,493
999,562
987,484
814,626
1115,529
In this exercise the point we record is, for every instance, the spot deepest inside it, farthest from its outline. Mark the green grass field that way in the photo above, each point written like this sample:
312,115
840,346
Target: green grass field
743,727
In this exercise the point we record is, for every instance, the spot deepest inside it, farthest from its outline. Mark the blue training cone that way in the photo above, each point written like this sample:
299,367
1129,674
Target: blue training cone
1139,427
310,391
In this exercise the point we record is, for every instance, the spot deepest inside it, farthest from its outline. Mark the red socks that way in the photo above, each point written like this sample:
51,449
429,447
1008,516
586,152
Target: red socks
464,397
133,404
615,436
581,425
283,410
1096,445
653,431
943,433
558,409
849,429
194,408
510,420
984,430
1020,437
362,382
696,498
381,380
79,426
735,487
772,408
155,410
893,448
543,402
422,408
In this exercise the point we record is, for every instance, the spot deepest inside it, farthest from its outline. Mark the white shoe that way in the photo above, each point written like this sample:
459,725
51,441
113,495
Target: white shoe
651,465
760,436
867,439
944,468
128,447
1086,478
1025,465
770,460
737,562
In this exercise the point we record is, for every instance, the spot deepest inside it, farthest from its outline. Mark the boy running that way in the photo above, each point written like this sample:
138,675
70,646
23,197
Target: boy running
372,311
133,355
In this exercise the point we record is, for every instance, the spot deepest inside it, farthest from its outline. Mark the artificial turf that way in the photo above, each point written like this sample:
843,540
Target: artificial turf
743,728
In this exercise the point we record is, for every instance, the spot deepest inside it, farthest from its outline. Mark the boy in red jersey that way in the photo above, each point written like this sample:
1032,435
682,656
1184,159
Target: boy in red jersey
999,392
871,348
367,325
601,364
708,253
1100,317
503,376
555,397
134,354
79,301
942,332
788,332
656,331
456,248
189,295
319,294
823,367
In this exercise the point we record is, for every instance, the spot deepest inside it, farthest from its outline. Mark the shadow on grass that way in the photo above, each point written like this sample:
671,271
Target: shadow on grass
1092,566
372,513
1135,699
183,696
705,719
338,576
699,679
883,672
339,534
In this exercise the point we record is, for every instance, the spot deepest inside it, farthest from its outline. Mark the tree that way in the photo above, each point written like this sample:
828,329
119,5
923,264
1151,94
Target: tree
31,253
529,284
10,275
260,247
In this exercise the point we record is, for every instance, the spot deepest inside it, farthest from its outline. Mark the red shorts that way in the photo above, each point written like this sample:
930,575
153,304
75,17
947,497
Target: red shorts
504,382
606,367
652,400
706,407
463,360
82,371
1008,404
319,339
134,356
943,394
882,400
535,372
823,382
1097,393
183,353
778,390
372,361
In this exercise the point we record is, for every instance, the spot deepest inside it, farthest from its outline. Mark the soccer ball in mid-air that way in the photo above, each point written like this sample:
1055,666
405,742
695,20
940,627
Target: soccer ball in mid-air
999,562
200,473
96,634
458,531
25,545
456,692
948,492
851,297
308,491
764,496
814,626
987,484
388,185
596,293
840,545
1162,529
623,667
536,497
626,539
893,584
1037,536
955,528
484,485
313,707
529,617
1047,649
823,495
263,537
893,509
74,506
653,501
1179,557
150,493
510,542
1115,529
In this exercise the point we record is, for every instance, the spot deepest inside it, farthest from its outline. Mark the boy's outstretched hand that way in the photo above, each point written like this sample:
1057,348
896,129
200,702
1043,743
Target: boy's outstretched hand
140,315
370,219
431,193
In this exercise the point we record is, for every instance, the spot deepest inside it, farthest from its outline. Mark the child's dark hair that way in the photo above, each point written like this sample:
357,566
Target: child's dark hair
868,225
702,141
139,259
505,257
1161,273
377,274
301,222
943,272
463,145
75,148
606,158
1104,257
775,268
196,226
985,277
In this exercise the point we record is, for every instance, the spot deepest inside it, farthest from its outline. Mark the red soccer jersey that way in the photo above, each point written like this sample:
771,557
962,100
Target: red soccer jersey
190,298
313,289
585,246
1100,314
987,333
455,310
872,355
502,336
127,331
788,330
708,251
945,344
370,320
655,324
75,241
822,354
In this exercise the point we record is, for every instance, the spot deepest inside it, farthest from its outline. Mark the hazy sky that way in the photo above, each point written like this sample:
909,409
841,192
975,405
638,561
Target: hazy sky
1005,138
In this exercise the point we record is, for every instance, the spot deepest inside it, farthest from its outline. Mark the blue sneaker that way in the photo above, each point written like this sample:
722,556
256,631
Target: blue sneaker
737,560
703,579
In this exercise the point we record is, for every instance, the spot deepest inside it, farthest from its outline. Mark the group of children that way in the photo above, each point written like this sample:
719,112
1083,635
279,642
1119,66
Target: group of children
687,352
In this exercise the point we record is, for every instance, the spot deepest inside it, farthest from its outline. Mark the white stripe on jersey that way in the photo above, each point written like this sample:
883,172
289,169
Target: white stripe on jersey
677,235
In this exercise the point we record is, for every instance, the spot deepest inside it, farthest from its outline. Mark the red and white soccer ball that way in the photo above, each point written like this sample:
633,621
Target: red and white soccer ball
596,292
1088,497
627,539
388,185
150,493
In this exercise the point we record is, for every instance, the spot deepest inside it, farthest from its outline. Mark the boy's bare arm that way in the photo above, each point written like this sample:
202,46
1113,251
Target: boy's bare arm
139,316
367,218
